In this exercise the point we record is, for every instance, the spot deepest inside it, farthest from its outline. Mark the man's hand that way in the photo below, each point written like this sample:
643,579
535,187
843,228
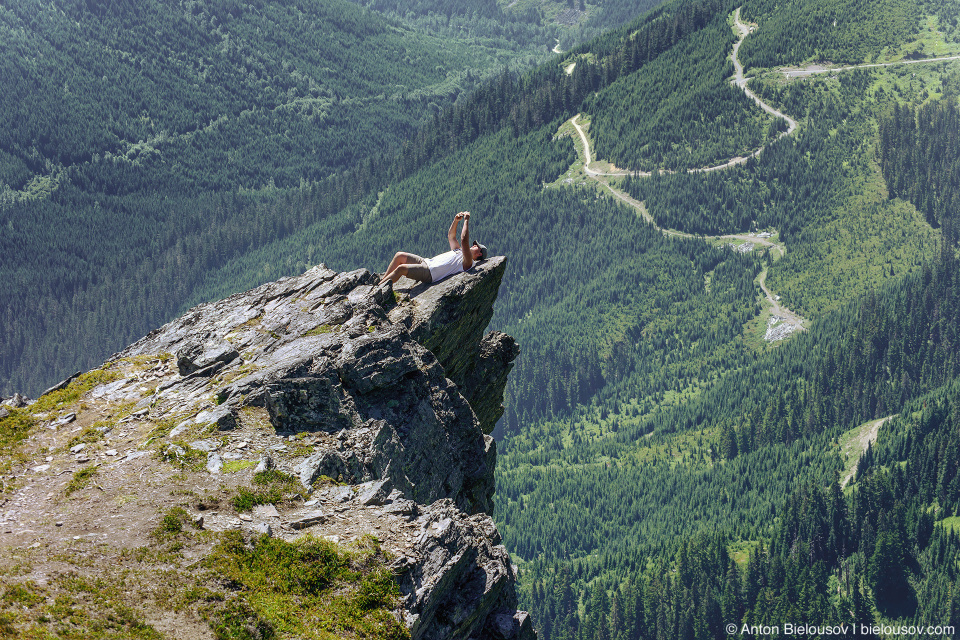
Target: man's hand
452,231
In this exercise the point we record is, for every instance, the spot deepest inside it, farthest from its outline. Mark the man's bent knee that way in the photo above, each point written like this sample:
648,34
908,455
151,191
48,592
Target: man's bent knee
408,258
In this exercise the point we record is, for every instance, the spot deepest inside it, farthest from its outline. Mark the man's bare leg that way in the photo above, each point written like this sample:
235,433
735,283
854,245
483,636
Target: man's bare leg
399,259
395,274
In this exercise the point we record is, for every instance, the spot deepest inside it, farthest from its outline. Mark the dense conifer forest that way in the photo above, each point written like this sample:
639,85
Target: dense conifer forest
663,470
845,31
167,138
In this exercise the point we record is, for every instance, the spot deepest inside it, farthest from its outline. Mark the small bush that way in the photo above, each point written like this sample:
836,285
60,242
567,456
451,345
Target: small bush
6,624
272,477
80,479
172,522
276,485
378,589
238,621
326,481
304,568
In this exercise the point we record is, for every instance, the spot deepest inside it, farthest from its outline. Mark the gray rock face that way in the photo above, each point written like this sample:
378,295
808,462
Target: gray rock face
449,319
329,351
464,585
205,359
483,383
401,387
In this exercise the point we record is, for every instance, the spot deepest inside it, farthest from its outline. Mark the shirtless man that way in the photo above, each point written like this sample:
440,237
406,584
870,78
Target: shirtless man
461,257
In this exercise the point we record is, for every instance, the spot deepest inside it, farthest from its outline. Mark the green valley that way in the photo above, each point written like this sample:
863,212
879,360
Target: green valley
148,143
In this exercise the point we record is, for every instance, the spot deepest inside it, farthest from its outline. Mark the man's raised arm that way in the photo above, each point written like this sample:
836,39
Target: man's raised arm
452,232
465,241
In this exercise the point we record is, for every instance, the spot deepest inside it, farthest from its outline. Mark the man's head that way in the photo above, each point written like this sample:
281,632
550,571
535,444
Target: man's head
478,251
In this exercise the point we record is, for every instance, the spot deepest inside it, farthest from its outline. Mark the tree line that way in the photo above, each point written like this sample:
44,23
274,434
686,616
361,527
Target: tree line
920,157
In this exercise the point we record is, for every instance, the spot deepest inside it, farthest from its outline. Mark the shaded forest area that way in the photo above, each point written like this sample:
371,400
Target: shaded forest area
777,423
231,95
144,144
920,158
874,555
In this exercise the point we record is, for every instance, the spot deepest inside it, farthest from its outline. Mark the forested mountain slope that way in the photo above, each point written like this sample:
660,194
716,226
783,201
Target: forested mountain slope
664,470
148,142
143,143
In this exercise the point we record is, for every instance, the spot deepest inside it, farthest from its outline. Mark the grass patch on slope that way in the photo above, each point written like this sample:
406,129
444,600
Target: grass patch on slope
875,240
272,486
72,606
64,397
311,589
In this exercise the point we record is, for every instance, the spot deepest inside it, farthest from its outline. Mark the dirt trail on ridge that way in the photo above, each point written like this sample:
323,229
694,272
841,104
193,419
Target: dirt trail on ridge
740,80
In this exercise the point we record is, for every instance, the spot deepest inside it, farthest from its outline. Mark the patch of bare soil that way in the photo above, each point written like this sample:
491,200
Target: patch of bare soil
867,436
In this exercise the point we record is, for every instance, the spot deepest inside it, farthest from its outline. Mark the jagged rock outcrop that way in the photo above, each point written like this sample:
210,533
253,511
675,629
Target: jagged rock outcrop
449,320
396,391
461,590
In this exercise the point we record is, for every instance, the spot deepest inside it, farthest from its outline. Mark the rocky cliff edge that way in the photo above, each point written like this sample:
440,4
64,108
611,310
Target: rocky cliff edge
378,400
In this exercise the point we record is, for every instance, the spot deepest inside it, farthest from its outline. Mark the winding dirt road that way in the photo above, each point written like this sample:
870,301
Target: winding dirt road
740,80
789,317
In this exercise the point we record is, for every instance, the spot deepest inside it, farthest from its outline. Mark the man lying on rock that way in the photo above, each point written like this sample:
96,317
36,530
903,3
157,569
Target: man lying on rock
461,257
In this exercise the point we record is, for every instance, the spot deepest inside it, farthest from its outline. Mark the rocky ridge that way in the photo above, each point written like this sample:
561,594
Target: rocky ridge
379,400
